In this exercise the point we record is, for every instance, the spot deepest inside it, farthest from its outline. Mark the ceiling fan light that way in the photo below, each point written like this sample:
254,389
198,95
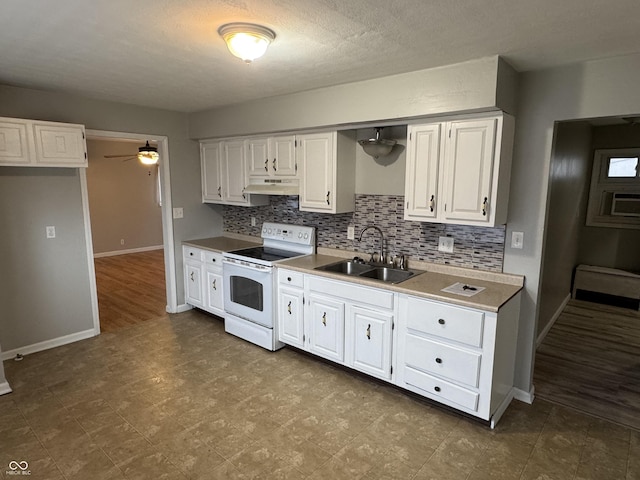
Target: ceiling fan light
246,40
148,155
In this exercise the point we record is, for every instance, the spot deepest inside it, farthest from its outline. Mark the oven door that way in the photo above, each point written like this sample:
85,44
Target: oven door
248,292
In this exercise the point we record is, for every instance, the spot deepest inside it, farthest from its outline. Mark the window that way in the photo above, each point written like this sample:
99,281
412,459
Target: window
614,197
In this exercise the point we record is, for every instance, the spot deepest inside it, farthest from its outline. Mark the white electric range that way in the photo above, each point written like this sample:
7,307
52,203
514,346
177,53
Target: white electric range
249,293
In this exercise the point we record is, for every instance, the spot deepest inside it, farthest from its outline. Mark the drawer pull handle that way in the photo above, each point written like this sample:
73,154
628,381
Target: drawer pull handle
289,308
192,276
324,319
437,389
441,321
274,165
288,279
328,194
484,206
214,285
432,203
219,192
266,165
438,360
369,332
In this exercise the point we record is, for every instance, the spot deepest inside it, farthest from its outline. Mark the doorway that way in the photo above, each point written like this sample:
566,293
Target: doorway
158,256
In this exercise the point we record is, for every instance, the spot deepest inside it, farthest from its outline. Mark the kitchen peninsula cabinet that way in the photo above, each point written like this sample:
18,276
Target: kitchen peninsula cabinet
271,156
326,162
32,143
459,171
224,174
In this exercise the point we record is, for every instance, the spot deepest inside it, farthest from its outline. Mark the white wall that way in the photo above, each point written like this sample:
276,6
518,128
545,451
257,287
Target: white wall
384,175
598,88
569,177
63,199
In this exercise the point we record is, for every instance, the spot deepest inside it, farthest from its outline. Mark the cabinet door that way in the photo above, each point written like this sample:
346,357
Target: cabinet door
282,155
234,178
193,284
210,158
291,316
214,298
258,161
14,143
469,162
325,327
421,181
370,341
316,159
60,145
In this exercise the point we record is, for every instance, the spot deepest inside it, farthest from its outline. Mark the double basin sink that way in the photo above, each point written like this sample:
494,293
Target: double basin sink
365,270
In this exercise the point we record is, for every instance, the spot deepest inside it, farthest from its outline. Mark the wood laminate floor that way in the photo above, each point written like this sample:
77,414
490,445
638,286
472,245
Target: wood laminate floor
131,289
590,360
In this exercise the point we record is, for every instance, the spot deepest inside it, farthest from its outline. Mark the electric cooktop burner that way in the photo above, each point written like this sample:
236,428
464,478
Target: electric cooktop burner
266,253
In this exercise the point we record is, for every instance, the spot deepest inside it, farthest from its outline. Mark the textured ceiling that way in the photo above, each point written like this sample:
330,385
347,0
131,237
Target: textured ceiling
167,54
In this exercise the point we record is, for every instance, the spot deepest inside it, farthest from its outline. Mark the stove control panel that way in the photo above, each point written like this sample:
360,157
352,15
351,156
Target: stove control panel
288,233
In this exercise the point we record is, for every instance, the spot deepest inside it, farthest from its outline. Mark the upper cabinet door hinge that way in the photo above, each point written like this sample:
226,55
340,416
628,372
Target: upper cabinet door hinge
83,135
449,133
296,167
295,143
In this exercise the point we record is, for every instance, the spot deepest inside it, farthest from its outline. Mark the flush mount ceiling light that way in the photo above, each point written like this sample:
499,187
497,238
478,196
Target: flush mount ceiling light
377,147
148,154
246,40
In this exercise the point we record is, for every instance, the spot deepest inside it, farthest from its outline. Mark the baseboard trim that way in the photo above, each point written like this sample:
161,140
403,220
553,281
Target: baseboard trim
523,396
47,344
5,388
555,317
183,307
130,250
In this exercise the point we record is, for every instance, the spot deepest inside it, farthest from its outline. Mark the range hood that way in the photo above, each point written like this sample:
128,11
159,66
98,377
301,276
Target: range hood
269,186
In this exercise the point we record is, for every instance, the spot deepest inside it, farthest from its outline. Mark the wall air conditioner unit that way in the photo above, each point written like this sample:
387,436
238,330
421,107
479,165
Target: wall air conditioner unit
626,204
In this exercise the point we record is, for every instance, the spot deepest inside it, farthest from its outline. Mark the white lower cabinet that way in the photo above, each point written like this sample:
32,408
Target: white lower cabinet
458,356
203,279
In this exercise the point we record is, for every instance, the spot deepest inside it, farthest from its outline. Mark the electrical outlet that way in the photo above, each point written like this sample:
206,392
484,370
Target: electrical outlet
517,239
351,232
122,241
178,212
253,221
445,244
51,232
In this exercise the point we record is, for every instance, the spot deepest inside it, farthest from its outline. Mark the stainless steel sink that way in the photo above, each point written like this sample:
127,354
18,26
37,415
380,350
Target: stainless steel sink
389,275
364,270
346,267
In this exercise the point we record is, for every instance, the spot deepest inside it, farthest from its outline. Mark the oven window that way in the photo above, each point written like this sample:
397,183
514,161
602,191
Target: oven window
247,292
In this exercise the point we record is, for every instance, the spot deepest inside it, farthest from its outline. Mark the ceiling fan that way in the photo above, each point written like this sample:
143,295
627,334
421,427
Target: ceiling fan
147,155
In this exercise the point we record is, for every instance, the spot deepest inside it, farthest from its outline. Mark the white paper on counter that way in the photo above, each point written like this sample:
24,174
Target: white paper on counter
458,289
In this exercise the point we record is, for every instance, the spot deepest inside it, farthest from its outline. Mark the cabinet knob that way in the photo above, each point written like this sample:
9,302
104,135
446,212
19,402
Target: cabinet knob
437,389
438,360
288,279
191,253
441,321
213,259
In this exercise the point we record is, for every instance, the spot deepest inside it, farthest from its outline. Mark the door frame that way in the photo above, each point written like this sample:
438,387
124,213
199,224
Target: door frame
166,212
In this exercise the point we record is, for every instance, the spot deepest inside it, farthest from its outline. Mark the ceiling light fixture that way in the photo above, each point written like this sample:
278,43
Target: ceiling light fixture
148,154
246,40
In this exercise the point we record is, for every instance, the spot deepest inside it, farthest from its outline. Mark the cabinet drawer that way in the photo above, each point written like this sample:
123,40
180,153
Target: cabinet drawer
443,360
192,253
436,388
287,277
212,259
452,323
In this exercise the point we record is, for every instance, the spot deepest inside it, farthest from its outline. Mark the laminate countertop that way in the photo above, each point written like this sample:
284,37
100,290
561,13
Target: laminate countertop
428,284
221,244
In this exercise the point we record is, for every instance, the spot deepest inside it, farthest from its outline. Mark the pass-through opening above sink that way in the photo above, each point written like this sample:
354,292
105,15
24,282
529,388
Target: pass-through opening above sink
366,270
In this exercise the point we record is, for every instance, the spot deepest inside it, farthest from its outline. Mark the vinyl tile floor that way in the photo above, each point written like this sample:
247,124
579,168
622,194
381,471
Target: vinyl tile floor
177,398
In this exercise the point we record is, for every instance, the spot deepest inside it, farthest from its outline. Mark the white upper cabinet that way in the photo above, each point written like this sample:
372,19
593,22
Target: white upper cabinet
459,171
42,144
224,174
421,182
327,171
271,156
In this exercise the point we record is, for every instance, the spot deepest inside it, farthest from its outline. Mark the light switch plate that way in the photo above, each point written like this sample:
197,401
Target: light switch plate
253,221
178,212
517,239
51,232
351,232
445,244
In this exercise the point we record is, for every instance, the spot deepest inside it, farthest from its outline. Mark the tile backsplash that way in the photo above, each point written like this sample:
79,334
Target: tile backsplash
481,248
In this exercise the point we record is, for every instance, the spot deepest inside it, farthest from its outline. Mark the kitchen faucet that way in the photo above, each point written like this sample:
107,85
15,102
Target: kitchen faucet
381,240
